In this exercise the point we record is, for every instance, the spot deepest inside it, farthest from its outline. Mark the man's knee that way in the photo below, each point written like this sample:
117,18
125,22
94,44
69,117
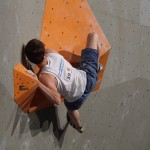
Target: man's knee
93,35
92,40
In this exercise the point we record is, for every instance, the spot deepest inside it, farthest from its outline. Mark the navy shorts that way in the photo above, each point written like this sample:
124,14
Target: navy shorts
89,63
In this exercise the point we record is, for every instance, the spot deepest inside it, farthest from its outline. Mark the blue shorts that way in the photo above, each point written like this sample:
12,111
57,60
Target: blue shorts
89,64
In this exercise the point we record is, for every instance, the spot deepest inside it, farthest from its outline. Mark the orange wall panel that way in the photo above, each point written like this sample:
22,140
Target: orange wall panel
66,25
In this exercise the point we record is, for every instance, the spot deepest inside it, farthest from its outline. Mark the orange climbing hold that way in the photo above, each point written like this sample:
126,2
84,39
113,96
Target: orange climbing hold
25,87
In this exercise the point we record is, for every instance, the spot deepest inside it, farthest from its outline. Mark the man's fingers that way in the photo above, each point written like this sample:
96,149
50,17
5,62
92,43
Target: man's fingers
32,73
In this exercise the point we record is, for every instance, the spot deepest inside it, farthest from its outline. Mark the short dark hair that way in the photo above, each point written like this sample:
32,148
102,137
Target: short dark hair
35,50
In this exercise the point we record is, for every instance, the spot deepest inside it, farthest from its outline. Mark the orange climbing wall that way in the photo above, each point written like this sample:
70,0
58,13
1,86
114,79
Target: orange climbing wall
24,87
66,24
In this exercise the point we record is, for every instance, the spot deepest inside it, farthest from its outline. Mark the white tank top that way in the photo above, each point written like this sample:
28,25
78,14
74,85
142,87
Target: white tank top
71,81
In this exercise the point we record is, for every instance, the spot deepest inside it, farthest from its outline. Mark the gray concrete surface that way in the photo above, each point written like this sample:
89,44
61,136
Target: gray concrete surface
116,117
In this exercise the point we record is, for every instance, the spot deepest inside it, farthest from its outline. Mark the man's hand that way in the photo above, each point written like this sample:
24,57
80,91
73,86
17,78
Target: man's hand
32,73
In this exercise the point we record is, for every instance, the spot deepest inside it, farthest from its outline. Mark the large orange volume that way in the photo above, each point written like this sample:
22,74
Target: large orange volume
66,24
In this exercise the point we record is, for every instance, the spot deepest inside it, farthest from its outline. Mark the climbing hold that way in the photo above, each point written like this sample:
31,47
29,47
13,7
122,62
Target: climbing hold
25,87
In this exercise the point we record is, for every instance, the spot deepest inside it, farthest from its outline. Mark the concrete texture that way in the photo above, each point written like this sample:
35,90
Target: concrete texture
116,117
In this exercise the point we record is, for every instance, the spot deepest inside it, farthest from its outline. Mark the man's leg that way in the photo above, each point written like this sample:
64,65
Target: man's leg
93,42
74,116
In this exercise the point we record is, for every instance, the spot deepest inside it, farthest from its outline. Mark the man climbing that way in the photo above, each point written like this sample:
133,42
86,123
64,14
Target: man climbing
59,79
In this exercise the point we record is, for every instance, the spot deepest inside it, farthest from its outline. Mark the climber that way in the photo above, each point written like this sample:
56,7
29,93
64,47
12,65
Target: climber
58,78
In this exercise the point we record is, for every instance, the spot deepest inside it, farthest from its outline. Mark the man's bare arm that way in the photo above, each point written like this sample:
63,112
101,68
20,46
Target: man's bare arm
48,87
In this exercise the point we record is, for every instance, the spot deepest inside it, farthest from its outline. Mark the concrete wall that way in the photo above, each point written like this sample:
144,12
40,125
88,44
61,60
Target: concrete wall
126,24
116,117
145,38
19,22
120,21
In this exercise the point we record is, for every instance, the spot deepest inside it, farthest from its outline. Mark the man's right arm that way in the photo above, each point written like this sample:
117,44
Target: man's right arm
48,88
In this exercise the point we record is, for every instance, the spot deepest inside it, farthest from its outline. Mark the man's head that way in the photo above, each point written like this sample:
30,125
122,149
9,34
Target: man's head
34,51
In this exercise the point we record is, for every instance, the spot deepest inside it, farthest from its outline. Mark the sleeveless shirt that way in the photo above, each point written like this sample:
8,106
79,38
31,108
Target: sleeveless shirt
71,81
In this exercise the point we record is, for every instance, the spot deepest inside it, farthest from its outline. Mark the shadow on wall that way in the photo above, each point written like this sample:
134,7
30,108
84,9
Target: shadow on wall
41,121
71,57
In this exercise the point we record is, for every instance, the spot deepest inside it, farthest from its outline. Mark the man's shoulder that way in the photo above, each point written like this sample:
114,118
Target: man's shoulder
47,79
46,76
